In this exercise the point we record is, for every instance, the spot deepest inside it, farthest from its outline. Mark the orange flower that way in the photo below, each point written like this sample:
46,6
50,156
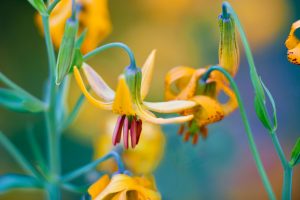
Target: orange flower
292,43
124,187
183,83
92,15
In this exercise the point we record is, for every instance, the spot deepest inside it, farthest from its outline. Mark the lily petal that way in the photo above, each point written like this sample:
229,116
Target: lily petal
292,41
209,110
98,84
231,103
293,55
95,189
100,104
169,106
123,103
148,116
180,75
147,72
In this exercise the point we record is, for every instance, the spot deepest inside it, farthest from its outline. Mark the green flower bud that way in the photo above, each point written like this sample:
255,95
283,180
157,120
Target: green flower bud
133,77
228,47
66,50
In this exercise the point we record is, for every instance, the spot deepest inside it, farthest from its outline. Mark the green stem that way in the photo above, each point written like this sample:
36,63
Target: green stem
52,131
287,169
88,167
252,144
18,156
111,45
74,113
287,183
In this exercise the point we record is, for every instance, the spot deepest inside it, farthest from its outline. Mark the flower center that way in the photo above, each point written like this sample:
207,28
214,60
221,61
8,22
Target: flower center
128,125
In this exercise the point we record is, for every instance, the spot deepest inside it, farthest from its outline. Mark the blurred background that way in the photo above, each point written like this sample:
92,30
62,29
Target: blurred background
184,32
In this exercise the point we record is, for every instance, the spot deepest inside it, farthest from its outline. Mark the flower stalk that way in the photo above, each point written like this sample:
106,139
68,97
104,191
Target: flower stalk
253,147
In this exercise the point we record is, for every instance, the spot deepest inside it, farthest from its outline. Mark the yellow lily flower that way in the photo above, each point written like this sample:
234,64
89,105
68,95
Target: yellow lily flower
92,15
124,187
128,100
183,83
141,160
292,43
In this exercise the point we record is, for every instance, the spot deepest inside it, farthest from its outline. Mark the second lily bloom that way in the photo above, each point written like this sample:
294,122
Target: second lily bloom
184,83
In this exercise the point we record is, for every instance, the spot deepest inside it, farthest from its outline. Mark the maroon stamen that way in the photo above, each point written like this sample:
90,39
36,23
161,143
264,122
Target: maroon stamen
139,130
126,132
118,130
181,129
195,139
133,132
186,136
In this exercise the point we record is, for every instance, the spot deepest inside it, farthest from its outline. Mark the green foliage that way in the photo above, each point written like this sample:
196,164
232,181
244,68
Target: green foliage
12,181
20,102
39,6
260,105
66,50
295,156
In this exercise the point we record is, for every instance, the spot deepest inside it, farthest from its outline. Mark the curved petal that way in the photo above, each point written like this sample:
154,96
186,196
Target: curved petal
122,183
95,189
147,72
97,84
181,73
148,116
100,104
208,111
232,104
292,41
293,55
169,106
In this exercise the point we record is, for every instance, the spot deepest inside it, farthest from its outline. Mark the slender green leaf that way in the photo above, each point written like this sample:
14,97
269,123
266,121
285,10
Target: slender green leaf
19,101
13,181
295,156
39,6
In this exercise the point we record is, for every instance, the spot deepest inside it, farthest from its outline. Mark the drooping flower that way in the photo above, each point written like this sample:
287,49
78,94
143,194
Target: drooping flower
292,43
184,83
124,187
128,100
93,16
141,160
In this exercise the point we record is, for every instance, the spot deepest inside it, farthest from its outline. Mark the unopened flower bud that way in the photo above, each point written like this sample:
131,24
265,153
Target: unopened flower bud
66,50
228,47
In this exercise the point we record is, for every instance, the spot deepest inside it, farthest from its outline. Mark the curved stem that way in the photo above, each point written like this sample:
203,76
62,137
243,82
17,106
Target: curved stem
112,45
252,144
88,167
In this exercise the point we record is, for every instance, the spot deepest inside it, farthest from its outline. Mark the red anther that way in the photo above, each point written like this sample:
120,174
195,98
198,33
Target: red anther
186,136
118,130
126,132
139,130
195,139
133,132
181,129
204,132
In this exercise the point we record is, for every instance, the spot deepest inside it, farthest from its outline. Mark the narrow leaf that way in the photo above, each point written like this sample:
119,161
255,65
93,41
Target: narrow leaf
13,181
295,156
19,101
39,6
